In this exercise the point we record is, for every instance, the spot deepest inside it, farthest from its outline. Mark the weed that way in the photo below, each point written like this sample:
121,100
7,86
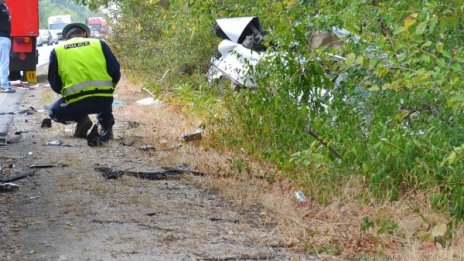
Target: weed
366,224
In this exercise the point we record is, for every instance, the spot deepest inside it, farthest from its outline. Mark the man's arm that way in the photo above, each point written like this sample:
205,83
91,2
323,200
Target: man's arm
112,64
53,76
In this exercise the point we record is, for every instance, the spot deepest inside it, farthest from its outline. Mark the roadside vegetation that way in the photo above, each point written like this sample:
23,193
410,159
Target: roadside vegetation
381,129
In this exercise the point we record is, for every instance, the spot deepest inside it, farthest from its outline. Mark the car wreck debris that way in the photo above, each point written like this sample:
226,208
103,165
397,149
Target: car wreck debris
5,113
28,111
112,173
240,50
242,257
8,187
17,177
47,166
133,124
192,136
46,123
54,143
16,139
147,148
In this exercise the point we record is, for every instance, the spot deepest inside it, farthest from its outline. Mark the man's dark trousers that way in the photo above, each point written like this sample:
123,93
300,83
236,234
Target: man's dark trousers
77,111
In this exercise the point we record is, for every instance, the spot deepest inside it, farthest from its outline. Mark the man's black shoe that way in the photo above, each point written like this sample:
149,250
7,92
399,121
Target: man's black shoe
106,134
93,139
106,131
83,127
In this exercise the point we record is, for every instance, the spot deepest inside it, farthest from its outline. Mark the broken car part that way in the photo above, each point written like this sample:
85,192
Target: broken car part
240,50
54,143
17,177
192,136
47,166
8,187
112,173
46,123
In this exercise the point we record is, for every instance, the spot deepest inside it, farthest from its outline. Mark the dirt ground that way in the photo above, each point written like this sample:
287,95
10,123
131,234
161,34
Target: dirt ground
71,212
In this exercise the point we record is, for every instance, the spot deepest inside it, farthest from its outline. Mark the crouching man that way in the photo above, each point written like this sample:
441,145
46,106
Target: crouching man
84,72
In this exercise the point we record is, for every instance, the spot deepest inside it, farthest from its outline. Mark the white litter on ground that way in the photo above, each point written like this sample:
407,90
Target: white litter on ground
148,101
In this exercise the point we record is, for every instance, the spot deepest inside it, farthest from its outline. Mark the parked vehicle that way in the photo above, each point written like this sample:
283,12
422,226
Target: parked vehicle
54,38
24,34
39,41
56,24
46,36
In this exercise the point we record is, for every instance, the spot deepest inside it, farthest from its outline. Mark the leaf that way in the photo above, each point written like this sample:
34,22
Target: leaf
450,159
410,20
350,58
420,29
398,30
456,99
382,72
402,115
427,44
439,47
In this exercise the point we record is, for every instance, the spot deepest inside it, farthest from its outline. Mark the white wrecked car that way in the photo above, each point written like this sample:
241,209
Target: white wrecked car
240,50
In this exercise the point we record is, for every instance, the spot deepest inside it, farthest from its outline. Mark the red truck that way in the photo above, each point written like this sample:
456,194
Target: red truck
98,27
24,33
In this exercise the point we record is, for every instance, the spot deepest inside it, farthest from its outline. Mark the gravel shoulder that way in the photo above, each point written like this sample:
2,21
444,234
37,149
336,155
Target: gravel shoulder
71,212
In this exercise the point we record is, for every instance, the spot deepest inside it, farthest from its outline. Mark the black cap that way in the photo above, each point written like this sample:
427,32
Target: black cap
69,28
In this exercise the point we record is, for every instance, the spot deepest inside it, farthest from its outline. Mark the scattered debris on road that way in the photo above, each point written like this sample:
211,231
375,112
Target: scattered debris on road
242,257
16,139
8,187
29,111
5,113
147,148
148,101
133,124
17,177
54,143
215,219
193,136
165,173
118,103
46,123
300,196
128,143
47,166
112,173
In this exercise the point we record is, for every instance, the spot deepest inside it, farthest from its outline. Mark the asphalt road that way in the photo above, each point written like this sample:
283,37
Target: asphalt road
9,102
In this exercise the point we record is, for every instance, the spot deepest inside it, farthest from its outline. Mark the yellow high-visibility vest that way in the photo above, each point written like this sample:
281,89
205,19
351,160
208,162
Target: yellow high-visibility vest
82,69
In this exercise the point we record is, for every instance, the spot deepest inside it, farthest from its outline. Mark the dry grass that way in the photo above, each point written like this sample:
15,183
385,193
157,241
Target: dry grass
336,228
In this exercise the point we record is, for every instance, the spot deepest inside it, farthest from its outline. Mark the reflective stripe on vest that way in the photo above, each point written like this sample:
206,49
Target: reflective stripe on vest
82,69
82,86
